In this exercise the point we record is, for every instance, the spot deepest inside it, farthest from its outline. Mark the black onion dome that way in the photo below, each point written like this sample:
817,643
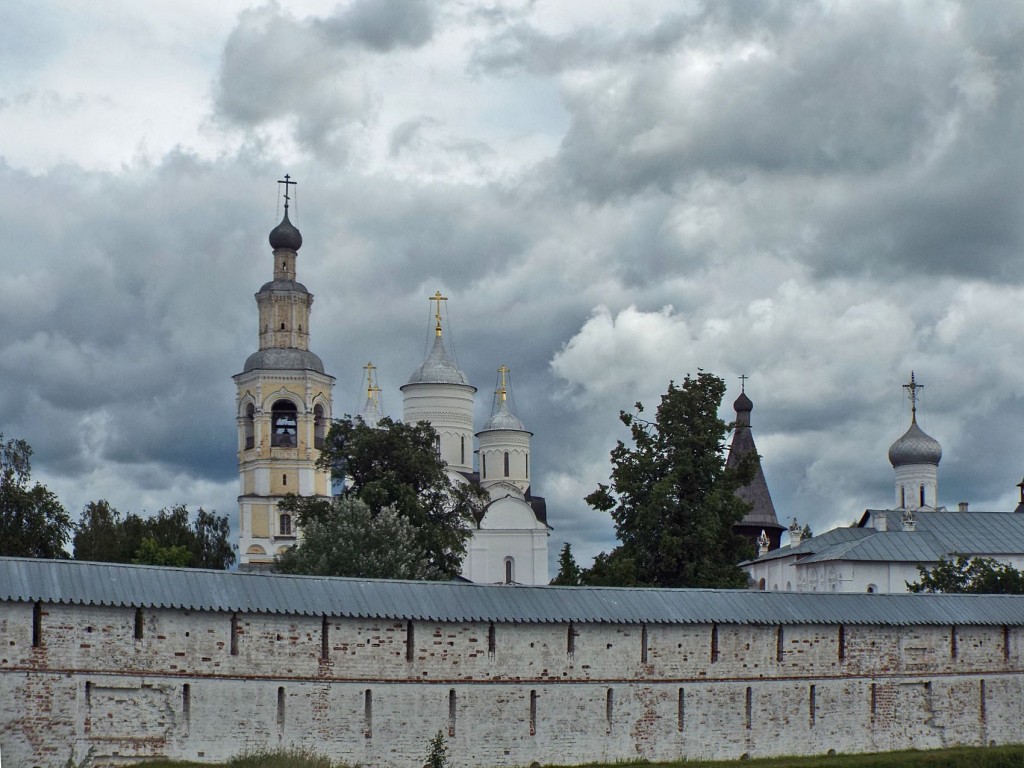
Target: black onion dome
915,447
743,404
285,235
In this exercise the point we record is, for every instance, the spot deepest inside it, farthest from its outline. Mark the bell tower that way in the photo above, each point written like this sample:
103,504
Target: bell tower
283,408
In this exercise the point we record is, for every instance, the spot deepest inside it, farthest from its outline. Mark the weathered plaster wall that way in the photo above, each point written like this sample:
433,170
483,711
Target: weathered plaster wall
107,684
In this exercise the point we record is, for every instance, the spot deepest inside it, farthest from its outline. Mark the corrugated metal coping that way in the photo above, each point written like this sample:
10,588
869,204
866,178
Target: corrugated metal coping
109,584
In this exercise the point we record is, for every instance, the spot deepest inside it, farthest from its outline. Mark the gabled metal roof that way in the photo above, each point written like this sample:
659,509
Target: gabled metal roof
81,583
938,533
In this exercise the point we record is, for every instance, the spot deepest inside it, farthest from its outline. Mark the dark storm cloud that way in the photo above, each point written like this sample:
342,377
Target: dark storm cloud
381,25
276,67
114,342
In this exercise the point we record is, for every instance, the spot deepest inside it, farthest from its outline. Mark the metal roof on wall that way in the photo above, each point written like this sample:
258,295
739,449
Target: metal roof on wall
938,533
109,584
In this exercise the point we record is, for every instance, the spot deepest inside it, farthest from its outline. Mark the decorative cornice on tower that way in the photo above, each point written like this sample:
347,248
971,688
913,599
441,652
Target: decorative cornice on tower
761,517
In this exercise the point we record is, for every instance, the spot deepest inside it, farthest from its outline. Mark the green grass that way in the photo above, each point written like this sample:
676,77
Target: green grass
974,757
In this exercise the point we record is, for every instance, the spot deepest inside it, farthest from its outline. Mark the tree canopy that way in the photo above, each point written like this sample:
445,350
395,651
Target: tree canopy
166,538
344,537
394,470
970,575
671,497
33,523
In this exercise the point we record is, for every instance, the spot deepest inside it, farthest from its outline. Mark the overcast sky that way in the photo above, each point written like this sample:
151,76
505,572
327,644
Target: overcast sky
819,195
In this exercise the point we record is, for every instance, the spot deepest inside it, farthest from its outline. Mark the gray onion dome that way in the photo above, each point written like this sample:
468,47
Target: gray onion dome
438,368
915,447
285,235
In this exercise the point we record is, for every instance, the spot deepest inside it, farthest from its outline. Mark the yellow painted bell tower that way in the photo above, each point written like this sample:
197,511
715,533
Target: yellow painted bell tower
283,408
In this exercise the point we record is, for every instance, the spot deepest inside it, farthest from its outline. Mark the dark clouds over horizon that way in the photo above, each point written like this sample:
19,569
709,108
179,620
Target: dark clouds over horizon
822,196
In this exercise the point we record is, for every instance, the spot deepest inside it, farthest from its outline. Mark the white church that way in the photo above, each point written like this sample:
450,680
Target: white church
882,552
284,409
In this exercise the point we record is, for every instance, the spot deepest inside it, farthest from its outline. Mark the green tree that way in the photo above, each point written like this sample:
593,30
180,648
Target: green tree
437,752
671,497
103,535
33,523
151,553
971,575
394,466
343,537
569,572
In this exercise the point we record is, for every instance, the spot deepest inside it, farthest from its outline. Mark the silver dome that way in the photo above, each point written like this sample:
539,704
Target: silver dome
438,368
283,359
915,447
503,418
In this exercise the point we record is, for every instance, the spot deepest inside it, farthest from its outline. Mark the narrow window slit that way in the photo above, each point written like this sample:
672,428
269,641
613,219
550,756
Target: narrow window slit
325,642
451,712
368,713
37,624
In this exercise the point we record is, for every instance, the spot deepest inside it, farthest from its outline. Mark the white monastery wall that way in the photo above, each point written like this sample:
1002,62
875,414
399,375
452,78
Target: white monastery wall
107,684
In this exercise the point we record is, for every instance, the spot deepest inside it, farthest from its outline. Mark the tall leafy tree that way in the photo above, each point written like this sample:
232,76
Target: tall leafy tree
970,575
33,523
671,497
344,537
394,466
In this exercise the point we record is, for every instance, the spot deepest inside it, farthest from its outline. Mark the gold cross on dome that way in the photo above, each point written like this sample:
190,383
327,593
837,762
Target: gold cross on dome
438,298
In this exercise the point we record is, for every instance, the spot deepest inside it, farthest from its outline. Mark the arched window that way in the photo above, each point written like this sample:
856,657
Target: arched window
510,570
437,446
250,426
483,466
506,463
284,416
872,589
462,449
527,466
903,496
760,585
922,495
286,524
319,426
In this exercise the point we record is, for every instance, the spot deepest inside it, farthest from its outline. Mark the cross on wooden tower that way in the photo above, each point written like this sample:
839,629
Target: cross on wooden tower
743,382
